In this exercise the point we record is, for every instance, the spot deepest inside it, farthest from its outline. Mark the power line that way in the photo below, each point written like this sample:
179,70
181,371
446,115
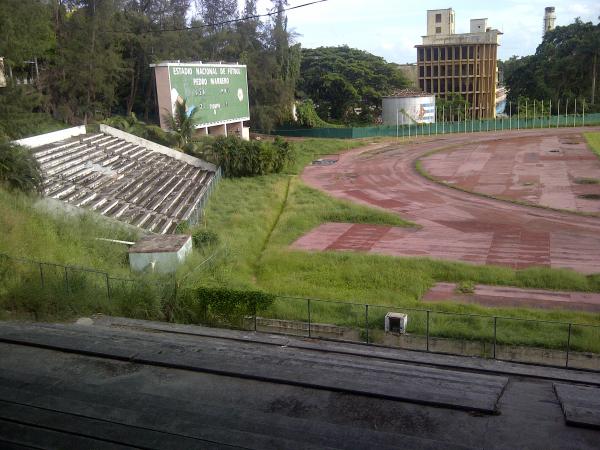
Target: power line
216,24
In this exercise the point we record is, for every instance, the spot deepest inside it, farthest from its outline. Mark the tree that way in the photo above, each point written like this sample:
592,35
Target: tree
19,169
340,79
564,66
182,123
25,31
89,65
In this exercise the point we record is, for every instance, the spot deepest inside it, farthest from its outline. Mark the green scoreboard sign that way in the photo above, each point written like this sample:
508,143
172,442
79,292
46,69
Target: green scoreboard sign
217,92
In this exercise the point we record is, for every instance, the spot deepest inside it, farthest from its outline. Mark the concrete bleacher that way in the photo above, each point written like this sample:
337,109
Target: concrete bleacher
125,178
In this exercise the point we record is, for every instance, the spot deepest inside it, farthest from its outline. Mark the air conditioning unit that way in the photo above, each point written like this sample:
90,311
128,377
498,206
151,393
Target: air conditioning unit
396,323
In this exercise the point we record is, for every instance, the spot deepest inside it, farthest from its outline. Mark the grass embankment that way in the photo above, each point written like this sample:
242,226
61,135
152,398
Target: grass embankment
258,222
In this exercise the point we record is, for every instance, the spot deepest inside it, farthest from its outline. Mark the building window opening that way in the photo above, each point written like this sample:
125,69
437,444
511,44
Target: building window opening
438,18
438,30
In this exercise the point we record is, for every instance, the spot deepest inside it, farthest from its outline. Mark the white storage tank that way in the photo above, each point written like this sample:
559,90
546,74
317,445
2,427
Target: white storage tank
408,107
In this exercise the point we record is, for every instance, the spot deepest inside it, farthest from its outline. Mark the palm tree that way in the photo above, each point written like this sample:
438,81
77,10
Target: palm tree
182,123
19,169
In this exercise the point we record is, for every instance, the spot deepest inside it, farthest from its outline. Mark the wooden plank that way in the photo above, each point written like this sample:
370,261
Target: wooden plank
17,434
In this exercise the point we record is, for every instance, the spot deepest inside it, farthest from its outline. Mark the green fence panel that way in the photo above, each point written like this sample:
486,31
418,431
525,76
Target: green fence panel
464,126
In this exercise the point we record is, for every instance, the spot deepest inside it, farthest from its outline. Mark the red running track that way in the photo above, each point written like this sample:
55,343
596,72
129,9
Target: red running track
455,225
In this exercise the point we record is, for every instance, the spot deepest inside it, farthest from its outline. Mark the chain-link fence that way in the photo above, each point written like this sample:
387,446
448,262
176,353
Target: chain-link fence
552,343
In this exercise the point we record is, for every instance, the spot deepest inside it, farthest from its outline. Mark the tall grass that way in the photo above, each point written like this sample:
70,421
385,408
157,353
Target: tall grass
593,140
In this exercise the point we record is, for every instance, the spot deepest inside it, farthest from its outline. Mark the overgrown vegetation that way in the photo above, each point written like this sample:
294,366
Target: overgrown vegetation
257,219
19,169
240,158
308,117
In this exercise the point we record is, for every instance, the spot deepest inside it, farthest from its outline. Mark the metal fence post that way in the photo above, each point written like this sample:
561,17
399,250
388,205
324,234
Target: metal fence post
495,321
568,345
367,322
427,331
107,287
309,326
41,275
66,279
255,321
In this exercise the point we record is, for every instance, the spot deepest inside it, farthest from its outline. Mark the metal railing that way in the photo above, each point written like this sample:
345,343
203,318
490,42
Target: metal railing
545,342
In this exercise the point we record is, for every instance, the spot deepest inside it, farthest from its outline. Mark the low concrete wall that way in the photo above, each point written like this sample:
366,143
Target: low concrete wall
48,138
462,347
180,156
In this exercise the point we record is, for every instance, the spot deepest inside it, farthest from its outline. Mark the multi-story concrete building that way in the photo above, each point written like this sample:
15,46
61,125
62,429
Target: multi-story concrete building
460,63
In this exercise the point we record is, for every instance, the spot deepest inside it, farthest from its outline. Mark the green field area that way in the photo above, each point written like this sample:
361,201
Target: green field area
594,142
256,220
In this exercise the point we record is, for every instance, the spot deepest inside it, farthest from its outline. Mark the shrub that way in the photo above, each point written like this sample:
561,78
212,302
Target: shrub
239,158
19,169
465,287
215,305
204,237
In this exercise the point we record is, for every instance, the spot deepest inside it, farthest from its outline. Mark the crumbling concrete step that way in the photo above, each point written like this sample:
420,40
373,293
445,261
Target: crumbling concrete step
580,404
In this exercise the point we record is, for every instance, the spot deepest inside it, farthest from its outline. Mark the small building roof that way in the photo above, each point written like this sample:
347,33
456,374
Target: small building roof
166,243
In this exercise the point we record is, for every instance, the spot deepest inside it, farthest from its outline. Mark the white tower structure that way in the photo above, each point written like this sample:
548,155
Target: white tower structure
549,19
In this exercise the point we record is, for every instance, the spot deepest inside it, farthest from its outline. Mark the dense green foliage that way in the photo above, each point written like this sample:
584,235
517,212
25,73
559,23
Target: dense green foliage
341,80
93,55
240,158
562,68
19,116
308,117
222,305
19,169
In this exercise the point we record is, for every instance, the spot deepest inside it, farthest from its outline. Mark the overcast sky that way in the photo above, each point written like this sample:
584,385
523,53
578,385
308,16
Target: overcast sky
391,28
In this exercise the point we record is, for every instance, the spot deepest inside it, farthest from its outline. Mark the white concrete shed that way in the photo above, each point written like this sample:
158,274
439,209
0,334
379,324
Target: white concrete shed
160,253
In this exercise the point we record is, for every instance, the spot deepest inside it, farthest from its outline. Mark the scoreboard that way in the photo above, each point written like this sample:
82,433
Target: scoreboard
217,93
